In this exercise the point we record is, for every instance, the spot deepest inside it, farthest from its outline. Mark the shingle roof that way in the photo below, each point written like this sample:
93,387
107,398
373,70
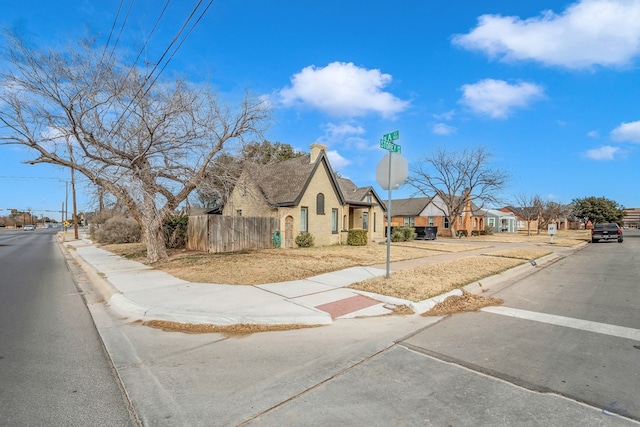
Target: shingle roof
351,192
282,184
409,207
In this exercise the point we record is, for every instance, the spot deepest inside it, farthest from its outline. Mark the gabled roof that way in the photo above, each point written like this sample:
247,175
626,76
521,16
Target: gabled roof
355,195
409,207
284,183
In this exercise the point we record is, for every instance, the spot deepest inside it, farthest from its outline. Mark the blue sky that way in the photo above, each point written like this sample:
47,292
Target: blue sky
549,87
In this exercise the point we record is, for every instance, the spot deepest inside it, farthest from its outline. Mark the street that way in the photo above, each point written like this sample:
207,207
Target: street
53,368
482,368
563,349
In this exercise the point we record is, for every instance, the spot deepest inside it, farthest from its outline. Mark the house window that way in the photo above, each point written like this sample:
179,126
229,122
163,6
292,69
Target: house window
344,222
431,221
491,222
409,221
368,198
320,204
304,220
374,222
239,212
522,224
365,220
446,222
334,221
459,220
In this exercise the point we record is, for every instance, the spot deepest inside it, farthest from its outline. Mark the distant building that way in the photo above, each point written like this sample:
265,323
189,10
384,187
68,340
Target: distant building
631,218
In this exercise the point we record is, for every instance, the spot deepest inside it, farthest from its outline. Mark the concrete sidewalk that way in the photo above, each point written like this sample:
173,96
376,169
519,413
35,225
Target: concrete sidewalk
138,292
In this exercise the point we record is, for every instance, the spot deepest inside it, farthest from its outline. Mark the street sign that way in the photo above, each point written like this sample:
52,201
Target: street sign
391,136
390,146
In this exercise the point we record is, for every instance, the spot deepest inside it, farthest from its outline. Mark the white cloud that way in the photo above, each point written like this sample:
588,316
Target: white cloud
587,33
344,129
337,161
443,129
496,98
606,152
627,132
593,134
343,89
445,116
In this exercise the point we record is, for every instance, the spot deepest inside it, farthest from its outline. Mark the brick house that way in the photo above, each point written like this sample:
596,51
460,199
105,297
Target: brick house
307,196
428,211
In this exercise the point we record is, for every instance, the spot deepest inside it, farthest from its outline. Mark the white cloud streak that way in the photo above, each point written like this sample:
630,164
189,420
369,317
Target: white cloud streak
497,98
606,152
588,33
627,132
343,89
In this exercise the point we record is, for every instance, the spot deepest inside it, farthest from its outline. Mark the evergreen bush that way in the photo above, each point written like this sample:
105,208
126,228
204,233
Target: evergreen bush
357,237
305,240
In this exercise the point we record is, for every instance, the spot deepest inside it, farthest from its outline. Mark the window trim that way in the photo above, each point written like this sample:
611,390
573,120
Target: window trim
334,221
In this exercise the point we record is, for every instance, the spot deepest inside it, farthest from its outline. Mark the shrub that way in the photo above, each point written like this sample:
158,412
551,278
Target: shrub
488,230
118,230
304,240
357,237
403,234
175,231
463,233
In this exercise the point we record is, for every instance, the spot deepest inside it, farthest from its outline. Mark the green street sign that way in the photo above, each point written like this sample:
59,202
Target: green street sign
390,146
391,136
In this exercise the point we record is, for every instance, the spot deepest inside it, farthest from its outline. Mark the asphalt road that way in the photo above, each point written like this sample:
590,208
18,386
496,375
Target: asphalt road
572,329
474,369
54,370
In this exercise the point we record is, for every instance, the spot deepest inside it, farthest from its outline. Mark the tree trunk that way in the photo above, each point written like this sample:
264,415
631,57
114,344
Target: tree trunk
154,238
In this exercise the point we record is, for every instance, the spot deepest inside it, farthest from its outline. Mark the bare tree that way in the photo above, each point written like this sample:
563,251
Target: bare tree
530,208
146,142
458,177
552,212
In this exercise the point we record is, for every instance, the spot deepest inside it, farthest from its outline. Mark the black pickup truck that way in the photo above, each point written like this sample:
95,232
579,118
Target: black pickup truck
606,231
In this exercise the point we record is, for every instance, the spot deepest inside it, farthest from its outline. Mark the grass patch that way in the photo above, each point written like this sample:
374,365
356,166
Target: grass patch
528,254
435,279
462,303
240,329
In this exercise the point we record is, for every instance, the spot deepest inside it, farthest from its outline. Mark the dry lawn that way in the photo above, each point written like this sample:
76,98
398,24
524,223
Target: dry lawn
435,279
566,238
270,265
442,247
528,254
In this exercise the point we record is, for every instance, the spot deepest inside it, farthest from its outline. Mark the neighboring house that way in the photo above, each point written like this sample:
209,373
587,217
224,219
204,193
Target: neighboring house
307,196
429,211
500,222
522,219
410,212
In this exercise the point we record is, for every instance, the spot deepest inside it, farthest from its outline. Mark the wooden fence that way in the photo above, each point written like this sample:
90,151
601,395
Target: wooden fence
217,233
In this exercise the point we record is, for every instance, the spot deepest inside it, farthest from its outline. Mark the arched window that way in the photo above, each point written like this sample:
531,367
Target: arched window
320,204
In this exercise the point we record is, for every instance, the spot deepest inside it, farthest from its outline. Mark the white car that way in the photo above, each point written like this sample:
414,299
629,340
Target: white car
29,227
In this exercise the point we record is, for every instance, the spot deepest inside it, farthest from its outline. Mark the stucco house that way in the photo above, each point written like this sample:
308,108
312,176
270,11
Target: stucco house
500,222
522,223
307,196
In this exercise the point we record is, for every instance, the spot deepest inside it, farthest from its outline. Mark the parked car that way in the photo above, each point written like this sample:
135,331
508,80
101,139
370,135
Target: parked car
606,231
29,228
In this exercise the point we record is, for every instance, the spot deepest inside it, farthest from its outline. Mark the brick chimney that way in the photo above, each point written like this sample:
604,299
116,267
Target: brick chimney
316,149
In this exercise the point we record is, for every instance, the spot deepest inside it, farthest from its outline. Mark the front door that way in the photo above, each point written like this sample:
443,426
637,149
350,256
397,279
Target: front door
288,232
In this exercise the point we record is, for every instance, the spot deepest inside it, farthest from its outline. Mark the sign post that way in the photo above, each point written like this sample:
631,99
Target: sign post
552,230
390,174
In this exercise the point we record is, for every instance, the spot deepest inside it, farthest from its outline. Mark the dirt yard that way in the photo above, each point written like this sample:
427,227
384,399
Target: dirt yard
422,282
